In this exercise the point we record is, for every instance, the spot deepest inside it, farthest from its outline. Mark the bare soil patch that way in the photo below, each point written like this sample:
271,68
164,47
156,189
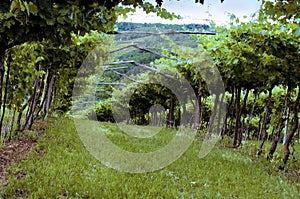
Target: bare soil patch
17,150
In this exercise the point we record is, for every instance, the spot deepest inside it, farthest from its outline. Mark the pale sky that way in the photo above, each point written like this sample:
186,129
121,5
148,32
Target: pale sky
212,10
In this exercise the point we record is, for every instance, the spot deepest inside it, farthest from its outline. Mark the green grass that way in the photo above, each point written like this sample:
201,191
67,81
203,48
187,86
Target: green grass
137,144
60,167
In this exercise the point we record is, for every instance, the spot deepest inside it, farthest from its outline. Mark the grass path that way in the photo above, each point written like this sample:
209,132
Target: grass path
60,167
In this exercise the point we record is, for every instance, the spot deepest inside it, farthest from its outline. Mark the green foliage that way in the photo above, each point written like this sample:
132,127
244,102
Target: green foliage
67,69
255,55
286,11
24,64
21,20
161,12
103,112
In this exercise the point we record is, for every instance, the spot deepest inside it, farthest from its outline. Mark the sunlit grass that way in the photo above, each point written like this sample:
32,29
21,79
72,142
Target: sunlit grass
60,167
137,139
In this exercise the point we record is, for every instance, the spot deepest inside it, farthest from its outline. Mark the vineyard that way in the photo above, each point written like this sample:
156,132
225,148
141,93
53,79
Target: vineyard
231,92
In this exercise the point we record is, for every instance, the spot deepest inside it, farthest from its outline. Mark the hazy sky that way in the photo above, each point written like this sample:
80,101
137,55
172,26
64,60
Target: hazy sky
197,13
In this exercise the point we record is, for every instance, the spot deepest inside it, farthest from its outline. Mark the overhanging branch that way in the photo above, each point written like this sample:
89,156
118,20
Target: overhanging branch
111,83
146,50
123,75
142,66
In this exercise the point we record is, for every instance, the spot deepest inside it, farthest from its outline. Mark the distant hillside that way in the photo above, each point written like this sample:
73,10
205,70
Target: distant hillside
128,26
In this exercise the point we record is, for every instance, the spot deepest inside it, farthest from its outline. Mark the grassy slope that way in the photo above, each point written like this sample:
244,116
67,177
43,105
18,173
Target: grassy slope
61,167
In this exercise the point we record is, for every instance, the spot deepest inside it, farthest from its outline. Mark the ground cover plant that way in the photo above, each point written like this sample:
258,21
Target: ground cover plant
60,167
